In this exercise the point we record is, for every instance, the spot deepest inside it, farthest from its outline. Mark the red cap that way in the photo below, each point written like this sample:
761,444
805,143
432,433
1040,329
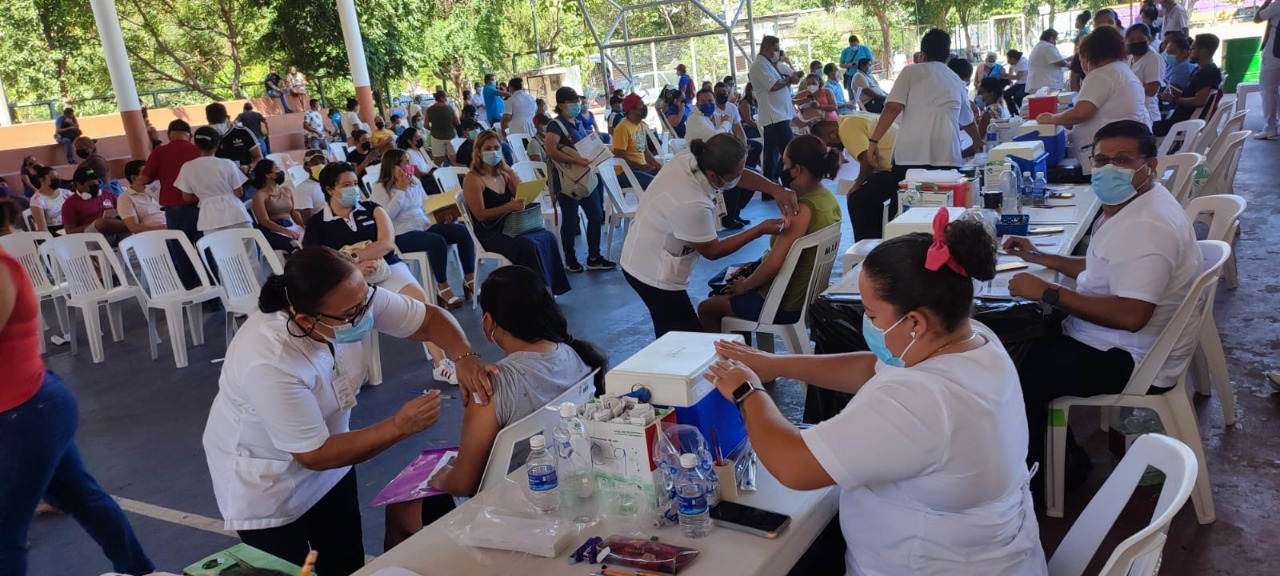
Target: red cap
631,102
680,68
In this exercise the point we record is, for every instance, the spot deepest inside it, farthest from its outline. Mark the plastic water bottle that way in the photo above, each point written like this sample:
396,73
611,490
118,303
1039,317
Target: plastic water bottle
573,460
1038,190
992,139
544,483
691,498
1024,190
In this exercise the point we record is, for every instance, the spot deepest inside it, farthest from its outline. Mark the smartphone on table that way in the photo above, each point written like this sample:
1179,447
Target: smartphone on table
749,519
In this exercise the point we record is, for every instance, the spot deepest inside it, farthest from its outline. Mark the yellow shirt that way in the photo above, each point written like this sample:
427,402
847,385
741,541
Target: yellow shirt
629,137
380,136
855,133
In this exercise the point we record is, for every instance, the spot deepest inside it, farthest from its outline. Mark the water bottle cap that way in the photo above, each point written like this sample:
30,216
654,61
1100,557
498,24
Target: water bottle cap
1039,174
537,442
566,410
688,460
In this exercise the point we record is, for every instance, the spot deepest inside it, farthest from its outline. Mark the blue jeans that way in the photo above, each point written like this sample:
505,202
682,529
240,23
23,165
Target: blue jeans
435,242
776,138
282,95
593,205
642,179
184,218
39,460
71,153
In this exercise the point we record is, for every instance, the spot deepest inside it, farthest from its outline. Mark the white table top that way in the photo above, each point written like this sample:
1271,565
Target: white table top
433,552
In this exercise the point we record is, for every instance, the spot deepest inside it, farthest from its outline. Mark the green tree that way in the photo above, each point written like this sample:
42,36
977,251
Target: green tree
200,45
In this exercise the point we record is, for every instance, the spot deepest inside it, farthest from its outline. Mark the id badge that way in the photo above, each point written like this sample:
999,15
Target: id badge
721,208
346,381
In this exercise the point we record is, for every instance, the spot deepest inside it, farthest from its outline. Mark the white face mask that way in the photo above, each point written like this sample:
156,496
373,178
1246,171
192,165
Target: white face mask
222,128
813,89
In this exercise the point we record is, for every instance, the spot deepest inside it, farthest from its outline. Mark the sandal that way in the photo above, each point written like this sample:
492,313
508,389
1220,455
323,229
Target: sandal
468,289
446,299
445,372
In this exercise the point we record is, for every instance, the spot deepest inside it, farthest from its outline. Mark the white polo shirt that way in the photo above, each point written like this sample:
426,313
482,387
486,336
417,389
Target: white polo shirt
773,105
1147,252
308,196
677,208
700,127
279,395
1271,14
931,465
1044,70
1176,19
1149,68
937,105
1118,95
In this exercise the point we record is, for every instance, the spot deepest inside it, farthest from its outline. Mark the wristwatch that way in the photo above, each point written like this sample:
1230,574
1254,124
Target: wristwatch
1051,295
746,389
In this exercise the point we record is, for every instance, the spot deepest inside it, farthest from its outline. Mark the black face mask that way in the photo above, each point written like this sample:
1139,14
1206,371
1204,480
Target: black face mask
786,177
366,147
1139,49
279,176
82,153
418,143
722,99
92,190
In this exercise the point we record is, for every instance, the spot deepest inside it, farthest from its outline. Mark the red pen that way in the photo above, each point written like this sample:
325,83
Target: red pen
715,446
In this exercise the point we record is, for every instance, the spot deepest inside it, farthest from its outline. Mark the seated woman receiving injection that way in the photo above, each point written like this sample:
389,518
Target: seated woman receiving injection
930,453
806,161
543,361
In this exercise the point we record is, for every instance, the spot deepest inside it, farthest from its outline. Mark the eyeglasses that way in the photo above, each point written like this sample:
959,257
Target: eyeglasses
355,318
1124,160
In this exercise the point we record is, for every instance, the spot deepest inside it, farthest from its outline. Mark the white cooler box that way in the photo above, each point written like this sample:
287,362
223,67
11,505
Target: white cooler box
671,368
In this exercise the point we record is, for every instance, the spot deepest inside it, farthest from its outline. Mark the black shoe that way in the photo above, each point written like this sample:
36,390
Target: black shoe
743,221
731,223
599,263
573,266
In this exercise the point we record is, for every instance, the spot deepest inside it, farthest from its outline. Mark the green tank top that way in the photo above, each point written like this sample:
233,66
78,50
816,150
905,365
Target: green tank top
825,211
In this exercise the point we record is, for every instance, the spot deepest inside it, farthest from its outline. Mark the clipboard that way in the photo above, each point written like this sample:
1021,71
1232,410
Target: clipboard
530,191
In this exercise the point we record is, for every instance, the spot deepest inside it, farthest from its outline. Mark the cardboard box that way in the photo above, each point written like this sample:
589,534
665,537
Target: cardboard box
671,368
623,459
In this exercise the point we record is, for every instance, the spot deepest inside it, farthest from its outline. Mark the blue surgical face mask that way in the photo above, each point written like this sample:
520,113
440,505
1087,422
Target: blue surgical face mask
475,133
349,333
1113,185
573,109
876,343
350,195
707,109
492,157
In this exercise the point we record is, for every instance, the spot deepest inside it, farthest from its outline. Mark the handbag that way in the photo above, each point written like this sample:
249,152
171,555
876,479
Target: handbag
381,271
522,221
576,180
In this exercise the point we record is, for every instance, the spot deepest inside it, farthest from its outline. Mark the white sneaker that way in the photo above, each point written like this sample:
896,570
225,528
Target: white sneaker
445,371
1267,135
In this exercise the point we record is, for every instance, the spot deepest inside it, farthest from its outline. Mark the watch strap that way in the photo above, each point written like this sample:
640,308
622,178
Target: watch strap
741,393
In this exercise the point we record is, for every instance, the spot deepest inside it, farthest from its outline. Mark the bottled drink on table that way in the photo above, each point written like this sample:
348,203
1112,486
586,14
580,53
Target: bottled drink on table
1024,191
992,139
1038,192
544,484
573,461
691,498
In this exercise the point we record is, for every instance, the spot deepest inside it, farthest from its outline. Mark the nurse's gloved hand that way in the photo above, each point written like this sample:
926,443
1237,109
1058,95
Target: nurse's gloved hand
763,364
418,414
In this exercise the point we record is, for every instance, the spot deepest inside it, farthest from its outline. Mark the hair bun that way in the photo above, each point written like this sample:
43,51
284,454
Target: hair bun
697,147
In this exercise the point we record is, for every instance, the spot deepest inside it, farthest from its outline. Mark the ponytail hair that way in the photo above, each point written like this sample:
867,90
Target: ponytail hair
260,172
897,270
517,300
309,275
721,153
812,154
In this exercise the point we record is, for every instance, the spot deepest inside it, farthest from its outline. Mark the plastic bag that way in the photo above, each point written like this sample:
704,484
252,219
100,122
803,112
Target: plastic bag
667,447
648,555
508,521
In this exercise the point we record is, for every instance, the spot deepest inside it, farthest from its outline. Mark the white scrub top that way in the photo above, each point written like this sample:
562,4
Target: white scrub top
522,106
1118,94
678,207
936,106
280,395
931,465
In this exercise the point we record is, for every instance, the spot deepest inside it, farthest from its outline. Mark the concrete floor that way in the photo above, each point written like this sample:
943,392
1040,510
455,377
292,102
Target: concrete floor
141,421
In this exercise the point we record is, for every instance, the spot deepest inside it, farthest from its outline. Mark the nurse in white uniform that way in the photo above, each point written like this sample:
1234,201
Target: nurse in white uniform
934,107
677,221
930,454
278,442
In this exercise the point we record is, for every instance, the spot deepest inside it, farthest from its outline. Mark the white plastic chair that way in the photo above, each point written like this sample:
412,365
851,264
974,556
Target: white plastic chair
1183,165
543,419
29,220
337,152
481,253
857,253
1139,554
795,336
238,269
165,290
456,143
297,174
373,172
1185,133
519,148
368,181
620,203
92,273
1173,407
283,160
675,145
449,178
1222,163
1209,364
25,247
1211,130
